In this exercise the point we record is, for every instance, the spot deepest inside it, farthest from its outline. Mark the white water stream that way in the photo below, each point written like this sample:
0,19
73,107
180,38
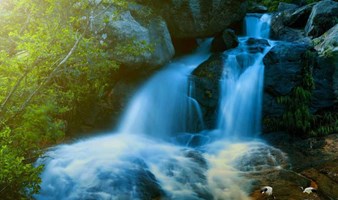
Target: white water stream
140,161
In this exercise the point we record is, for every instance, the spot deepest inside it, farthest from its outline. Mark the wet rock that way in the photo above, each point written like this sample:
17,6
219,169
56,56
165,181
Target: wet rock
313,163
288,25
323,16
305,153
132,39
136,182
257,45
282,6
206,78
224,41
283,67
257,8
196,19
280,31
322,176
323,94
286,185
197,158
299,17
261,158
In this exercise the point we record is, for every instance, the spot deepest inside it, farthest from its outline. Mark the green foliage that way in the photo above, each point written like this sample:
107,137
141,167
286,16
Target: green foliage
297,117
16,173
50,65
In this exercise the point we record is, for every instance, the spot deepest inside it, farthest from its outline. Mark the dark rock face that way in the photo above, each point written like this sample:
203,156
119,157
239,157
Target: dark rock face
257,45
313,163
136,178
289,24
299,17
224,41
184,46
322,18
323,94
327,47
199,18
283,68
257,8
283,72
282,6
207,87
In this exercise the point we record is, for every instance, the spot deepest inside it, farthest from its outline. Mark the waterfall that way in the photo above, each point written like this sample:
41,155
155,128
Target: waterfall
242,82
163,106
257,26
140,161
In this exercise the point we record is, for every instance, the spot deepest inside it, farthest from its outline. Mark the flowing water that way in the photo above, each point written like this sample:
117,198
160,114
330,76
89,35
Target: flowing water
142,161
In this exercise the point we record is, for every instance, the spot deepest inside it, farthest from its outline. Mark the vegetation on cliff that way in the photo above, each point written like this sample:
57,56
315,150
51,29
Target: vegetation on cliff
50,65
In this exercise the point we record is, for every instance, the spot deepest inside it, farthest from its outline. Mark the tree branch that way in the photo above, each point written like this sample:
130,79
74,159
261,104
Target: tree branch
51,75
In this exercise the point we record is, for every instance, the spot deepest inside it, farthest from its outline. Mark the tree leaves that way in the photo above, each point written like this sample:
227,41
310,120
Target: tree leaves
50,65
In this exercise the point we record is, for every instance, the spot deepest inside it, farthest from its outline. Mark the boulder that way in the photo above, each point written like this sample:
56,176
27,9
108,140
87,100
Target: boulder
323,75
133,38
326,178
280,31
283,72
327,44
283,68
289,24
327,47
299,17
206,78
224,41
282,6
323,16
257,8
257,45
199,18
313,161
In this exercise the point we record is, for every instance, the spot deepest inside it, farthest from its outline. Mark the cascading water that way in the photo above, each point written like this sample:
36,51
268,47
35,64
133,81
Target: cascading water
141,162
162,107
242,83
257,26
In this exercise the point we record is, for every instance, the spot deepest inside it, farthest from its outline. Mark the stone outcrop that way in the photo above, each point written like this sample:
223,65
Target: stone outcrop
224,41
132,38
199,18
256,8
257,45
282,6
283,68
206,78
283,72
323,16
289,24
313,163
327,47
